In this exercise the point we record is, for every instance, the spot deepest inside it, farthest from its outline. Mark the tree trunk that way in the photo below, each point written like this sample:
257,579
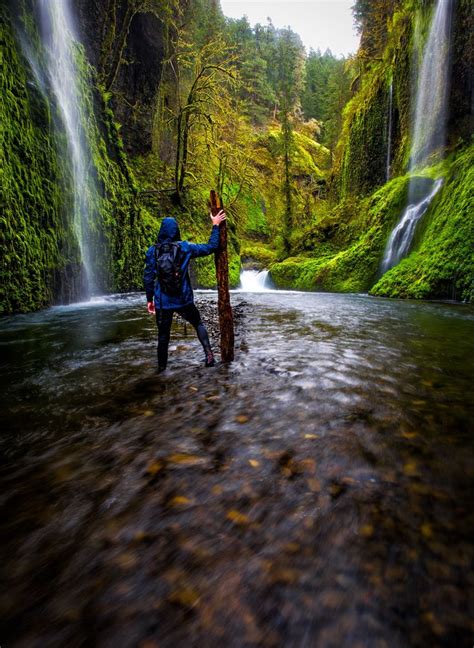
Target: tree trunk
226,319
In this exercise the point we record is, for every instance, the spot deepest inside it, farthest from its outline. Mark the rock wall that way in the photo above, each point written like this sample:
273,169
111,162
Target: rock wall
127,46
345,249
360,165
41,261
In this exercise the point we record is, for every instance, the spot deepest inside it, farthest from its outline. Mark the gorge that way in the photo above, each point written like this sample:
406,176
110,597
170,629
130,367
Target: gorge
95,95
317,490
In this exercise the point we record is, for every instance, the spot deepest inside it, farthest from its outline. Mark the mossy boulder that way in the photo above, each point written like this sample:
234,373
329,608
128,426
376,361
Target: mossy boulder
256,255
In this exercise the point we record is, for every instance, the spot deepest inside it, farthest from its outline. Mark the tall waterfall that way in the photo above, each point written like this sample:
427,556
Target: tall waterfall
389,131
428,128
59,38
433,87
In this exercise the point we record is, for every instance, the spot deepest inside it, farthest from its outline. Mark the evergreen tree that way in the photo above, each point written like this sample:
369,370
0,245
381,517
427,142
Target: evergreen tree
290,62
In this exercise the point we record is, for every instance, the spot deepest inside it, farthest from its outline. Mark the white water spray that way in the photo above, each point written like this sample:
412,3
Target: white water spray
398,244
253,281
58,38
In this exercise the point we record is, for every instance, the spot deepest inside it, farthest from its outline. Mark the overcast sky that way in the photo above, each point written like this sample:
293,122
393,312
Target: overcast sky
320,23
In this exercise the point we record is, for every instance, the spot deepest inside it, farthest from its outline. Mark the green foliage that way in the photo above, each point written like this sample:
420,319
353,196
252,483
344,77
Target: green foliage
326,92
442,264
255,90
41,261
34,233
242,110
257,254
362,239
256,225
203,76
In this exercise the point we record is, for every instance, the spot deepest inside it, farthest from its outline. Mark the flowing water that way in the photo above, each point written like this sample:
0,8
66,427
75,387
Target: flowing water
399,242
58,76
315,492
428,134
433,87
254,281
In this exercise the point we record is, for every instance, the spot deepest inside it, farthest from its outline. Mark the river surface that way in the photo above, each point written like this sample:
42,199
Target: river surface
317,492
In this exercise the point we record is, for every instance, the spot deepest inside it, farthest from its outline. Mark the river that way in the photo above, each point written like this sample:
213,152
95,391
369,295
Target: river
316,492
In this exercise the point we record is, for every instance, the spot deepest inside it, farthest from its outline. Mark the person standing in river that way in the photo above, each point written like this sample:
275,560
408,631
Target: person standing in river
168,286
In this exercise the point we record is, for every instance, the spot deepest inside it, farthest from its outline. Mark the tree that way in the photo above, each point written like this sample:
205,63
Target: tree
337,95
203,76
255,90
290,60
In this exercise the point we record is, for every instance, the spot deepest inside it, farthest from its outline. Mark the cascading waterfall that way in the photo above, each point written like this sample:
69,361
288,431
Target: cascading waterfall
400,239
389,131
433,87
253,281
428,129
58,38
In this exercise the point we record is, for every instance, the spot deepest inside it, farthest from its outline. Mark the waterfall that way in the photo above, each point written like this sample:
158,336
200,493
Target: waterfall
428,129
389,131
433,86
398,244
58,38
253,281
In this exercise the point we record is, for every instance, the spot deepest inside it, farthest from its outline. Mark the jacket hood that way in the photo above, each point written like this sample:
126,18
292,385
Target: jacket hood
169,231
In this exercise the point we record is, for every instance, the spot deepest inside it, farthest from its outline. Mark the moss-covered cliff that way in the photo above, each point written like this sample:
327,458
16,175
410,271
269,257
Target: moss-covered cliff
156,145
39,255
348,245
343,251
441,264
41,261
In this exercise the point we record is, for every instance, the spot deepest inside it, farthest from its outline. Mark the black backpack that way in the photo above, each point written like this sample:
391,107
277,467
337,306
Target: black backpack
169,257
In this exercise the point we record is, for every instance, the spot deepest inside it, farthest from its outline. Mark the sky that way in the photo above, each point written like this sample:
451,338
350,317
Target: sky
320,23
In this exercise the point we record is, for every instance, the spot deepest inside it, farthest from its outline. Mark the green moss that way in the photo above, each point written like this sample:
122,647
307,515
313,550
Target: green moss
37,245
40,256
310,157
442,264
296,273
257,253
361,152
355,268
254,221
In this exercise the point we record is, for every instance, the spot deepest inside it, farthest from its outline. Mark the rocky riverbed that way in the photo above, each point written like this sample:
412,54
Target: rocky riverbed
317,491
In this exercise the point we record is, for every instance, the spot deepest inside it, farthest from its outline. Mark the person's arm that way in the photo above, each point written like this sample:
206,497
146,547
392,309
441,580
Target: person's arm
204,249
149,278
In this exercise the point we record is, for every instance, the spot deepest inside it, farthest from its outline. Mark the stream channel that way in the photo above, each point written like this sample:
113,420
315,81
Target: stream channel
316,492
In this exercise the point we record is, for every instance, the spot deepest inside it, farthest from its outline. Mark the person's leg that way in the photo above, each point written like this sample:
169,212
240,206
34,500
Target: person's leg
191,314
164,318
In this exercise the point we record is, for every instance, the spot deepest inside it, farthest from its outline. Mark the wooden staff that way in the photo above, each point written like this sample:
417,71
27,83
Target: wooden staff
226,319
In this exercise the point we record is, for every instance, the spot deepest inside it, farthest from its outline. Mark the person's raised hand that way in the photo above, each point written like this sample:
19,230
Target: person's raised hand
218,218
150,308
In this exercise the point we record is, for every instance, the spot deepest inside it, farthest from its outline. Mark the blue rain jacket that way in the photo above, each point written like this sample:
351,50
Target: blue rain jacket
169,232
